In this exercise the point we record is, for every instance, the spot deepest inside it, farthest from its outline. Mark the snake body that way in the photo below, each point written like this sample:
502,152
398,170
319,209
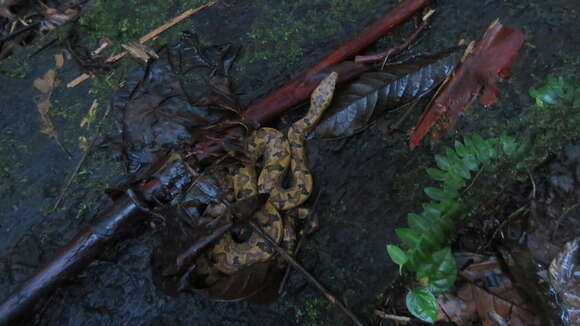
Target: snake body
279,154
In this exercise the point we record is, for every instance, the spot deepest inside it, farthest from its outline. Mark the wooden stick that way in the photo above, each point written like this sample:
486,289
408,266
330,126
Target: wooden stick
383,315
147,37
385,55
306,274
296,91
278,102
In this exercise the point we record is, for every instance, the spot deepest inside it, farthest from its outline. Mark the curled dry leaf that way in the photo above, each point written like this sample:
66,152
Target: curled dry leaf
357,104
490,58
54,17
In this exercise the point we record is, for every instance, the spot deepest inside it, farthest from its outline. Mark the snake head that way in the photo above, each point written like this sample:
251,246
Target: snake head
322,95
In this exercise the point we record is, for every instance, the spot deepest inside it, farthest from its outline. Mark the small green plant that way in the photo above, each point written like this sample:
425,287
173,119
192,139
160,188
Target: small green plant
429,234
558,90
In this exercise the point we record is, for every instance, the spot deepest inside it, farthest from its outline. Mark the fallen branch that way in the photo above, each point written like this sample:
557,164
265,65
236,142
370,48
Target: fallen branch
385,55
110,226
149,36
296,91
299,89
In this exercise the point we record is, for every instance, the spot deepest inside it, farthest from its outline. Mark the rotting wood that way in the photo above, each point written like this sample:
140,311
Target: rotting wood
147,37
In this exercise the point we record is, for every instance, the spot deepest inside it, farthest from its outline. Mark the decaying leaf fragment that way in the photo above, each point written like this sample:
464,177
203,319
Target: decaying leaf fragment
46,85
486,295
357,104
565,278
490,58
140,51
54,17
163,107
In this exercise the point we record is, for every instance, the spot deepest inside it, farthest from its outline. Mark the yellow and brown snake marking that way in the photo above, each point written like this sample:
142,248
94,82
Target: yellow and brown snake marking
279,154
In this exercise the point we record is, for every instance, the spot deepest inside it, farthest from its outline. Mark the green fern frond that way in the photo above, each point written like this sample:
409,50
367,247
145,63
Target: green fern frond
429,234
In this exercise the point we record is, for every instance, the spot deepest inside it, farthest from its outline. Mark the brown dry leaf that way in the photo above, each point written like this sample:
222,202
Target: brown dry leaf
45,85
487,295
91,115
140,51
83,143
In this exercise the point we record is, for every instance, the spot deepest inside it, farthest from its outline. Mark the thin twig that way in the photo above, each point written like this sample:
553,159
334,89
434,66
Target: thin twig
149,36
397,125
400,319
18,32
502,224
74,174
385,55
473,181
309,277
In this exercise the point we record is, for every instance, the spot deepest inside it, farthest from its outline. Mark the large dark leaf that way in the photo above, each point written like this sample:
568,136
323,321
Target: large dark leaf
376,92
163,107
257,283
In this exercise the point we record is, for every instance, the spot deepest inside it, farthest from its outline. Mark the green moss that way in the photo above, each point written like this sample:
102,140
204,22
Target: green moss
110,18
14,67
9,164
284,29
310,313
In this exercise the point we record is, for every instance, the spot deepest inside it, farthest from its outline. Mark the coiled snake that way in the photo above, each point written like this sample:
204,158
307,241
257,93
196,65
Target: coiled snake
279,154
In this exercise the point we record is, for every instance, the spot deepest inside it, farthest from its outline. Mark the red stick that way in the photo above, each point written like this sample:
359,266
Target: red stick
299,89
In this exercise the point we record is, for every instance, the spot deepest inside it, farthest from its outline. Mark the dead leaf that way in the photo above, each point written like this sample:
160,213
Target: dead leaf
83,143
91,115
46,85
163,107
253,283
490,58
485,295
140,51
357,104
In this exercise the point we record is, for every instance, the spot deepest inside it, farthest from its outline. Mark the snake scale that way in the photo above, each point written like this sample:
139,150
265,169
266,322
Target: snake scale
279,155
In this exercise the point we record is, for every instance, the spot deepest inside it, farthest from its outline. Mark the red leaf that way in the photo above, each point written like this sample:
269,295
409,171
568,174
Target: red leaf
490,58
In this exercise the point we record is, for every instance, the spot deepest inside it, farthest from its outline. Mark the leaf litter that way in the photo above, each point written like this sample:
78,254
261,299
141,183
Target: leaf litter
46,85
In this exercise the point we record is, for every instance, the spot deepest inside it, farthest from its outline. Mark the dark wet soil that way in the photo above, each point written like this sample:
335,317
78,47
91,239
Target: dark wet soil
366,189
